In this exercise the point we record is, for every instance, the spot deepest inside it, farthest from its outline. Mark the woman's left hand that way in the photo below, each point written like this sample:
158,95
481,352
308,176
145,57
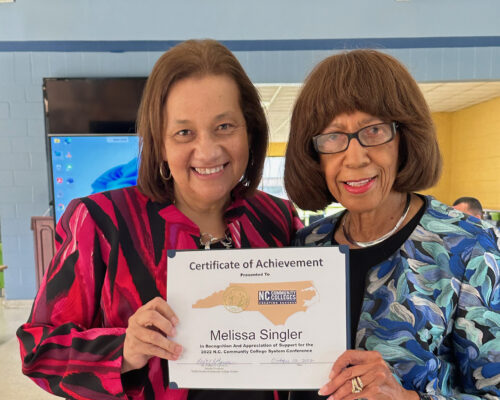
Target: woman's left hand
377,381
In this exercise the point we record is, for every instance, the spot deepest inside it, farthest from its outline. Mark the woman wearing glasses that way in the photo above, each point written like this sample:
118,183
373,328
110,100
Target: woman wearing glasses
425,278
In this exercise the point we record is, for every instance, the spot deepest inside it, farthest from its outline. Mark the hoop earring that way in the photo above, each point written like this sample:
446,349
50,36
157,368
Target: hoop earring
162,173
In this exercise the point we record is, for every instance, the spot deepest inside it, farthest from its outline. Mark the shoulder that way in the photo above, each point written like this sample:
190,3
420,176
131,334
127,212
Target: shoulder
116,216
101,206
130,192
468,242
260,197
319,233
267,216
447,221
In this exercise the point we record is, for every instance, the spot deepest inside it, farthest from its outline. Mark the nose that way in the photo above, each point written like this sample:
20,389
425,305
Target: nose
207,147
356,156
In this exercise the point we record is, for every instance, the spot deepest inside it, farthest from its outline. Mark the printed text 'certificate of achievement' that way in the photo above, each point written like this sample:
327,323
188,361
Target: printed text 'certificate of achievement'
258,318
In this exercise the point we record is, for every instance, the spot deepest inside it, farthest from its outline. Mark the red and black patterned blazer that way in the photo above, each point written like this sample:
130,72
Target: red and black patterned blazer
111,259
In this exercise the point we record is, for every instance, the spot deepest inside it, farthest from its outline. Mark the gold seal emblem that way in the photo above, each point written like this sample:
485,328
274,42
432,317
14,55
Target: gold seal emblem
236,299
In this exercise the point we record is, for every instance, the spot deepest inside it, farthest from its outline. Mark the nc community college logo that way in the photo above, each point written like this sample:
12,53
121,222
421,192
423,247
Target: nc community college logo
277,297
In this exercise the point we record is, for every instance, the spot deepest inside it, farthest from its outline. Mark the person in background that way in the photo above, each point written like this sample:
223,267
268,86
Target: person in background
100,326
424,281
469,205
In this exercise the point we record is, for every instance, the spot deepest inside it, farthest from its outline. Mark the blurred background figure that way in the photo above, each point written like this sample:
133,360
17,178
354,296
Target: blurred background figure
469,205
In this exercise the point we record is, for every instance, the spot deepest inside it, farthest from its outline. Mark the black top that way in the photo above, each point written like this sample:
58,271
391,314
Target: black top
362,260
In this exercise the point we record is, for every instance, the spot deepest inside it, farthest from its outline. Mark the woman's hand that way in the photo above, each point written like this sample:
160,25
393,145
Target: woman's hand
377,380
146,335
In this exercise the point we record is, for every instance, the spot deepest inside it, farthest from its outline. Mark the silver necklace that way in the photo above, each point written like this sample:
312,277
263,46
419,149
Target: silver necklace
206,239
383,237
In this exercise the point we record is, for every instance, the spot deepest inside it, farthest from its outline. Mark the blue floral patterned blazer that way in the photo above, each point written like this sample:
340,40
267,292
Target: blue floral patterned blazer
433,308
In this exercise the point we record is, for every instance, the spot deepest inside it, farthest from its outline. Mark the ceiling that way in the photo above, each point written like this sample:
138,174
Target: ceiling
278,100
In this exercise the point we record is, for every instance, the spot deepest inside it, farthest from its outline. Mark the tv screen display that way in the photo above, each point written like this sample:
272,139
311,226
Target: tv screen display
82,165
92,105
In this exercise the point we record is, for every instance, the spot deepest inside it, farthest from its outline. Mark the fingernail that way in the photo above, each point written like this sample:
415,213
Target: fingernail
175,320
321,391
173,332
178,349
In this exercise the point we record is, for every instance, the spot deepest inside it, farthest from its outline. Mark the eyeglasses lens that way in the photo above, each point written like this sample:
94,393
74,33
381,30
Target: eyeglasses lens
332,142
373,135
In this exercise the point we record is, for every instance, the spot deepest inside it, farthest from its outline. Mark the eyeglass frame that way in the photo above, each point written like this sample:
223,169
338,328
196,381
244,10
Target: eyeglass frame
394,126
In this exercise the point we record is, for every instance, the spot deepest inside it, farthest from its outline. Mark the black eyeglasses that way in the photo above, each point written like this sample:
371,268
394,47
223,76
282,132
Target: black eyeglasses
369,136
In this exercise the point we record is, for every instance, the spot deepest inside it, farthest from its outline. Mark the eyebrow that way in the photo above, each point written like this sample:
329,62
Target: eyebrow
181,121
227,114
363,122
218,117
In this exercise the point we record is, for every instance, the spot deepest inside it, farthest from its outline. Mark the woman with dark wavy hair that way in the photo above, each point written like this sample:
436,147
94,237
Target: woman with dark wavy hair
424,277
101,327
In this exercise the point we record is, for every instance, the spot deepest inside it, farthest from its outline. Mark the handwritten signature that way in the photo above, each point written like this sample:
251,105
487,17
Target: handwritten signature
212,362
292,361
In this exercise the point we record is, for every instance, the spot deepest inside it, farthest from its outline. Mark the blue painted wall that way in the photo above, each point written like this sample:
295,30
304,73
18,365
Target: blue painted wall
438,40
257,19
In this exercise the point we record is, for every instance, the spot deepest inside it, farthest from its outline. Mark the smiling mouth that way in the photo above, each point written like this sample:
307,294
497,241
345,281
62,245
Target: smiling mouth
359,183
209,171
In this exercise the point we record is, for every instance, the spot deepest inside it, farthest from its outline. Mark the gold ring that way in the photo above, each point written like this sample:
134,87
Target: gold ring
357,384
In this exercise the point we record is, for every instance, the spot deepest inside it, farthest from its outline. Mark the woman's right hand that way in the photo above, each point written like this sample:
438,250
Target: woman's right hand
146,335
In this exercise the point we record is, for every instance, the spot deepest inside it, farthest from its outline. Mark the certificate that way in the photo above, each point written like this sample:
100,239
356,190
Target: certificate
274,318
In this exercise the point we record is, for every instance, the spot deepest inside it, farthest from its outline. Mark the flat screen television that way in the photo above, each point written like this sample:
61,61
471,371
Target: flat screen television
90,134
83,165
91,105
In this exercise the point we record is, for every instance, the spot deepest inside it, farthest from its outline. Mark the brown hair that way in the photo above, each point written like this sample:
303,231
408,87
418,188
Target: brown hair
374,83
195,58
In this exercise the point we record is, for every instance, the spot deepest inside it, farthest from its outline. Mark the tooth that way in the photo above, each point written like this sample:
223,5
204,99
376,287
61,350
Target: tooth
208,171
358,183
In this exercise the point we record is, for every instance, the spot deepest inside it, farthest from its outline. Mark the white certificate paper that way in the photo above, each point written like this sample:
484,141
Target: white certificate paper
272,318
